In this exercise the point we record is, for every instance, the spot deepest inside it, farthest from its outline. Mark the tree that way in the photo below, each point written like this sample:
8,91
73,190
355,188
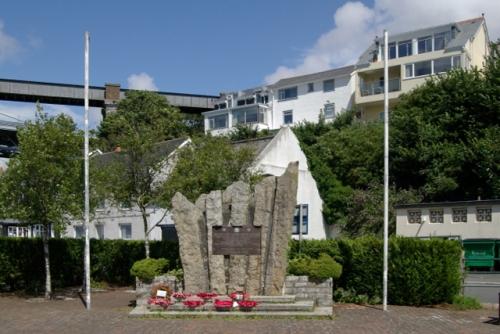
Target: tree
44,182
141,121
208,163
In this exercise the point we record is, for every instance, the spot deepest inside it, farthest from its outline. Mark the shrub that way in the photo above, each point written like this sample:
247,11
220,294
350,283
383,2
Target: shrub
463,303
318,269
147,269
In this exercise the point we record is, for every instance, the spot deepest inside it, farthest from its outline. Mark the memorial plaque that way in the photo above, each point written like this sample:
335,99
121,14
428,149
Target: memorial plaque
230,240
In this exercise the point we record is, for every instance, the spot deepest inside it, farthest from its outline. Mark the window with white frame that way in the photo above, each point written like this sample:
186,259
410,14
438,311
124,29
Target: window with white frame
126,231
441,39
79,231
100,231
329,85
422,68
248,116
404,49
37,231
459,215
436,216
18,231
414,216
310,87
288,117
425,44
287,93
329,110
218,122
442,65
483,214
301,219
439,65
392,50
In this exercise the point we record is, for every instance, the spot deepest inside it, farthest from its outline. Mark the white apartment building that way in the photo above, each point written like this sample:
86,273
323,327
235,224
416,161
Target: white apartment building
415,56
286,102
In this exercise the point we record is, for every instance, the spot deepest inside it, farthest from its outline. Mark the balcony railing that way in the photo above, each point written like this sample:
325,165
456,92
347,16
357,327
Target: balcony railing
253,114
377,87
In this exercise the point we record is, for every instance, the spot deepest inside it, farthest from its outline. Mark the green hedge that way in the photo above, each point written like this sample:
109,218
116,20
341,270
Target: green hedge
421,272
111,260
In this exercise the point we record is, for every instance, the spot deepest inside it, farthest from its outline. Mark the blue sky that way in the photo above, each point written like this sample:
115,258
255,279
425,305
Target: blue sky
202,47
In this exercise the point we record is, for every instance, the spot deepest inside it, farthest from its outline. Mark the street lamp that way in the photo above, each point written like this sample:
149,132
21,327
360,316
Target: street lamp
86,174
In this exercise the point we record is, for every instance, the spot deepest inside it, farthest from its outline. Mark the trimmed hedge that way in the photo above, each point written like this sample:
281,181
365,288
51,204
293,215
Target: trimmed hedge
421,272
111,261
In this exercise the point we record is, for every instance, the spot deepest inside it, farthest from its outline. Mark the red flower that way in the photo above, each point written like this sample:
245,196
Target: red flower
239,295
192,304
223,303
159,301
207,295
247,303
180,295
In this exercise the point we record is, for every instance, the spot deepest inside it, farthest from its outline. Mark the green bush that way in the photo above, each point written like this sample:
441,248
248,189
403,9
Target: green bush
147,269
463,303
318,269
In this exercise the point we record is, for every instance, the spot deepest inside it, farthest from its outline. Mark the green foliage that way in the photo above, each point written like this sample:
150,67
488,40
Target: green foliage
147,269
207,164
463,303
421,272
243,131
320,269
22,261
348,296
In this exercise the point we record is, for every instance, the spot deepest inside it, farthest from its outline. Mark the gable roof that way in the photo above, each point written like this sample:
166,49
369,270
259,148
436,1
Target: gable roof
464,30
336,72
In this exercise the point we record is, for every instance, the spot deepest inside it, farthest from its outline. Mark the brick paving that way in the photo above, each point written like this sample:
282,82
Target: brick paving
110,315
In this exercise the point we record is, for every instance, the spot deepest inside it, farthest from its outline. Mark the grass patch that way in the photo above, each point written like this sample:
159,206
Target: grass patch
462,303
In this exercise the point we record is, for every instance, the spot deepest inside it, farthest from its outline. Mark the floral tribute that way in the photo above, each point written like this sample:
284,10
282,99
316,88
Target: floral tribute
247,305
223,304
239,295
206,296
179,296
163,302
193,303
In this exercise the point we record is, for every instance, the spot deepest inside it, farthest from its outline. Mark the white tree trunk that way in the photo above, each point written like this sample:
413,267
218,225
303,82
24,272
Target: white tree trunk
146,228
46,255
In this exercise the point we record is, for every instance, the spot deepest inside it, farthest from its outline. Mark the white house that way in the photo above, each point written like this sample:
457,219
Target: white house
286,102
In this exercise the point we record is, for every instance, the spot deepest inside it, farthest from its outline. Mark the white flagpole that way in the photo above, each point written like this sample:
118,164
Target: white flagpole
386,166
86,176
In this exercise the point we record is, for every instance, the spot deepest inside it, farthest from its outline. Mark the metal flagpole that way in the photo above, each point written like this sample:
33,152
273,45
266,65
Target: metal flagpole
86,163
386,165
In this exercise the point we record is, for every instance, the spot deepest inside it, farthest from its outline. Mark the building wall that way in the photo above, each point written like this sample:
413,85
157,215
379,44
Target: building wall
307,106
469,230
275,158
478,47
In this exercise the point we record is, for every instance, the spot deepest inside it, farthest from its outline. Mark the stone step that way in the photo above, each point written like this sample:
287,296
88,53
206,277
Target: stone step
298,306
274,299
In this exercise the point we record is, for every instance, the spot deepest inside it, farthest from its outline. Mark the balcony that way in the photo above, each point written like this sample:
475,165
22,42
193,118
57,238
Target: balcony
252,114
377,87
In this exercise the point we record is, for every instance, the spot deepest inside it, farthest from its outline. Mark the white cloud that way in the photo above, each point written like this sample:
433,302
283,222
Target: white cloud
141,81
26,111
9,46
356,25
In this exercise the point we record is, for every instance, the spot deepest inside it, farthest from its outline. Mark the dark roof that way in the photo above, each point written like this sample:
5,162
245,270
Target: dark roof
453,203
336,72
256,144
465,30
161,149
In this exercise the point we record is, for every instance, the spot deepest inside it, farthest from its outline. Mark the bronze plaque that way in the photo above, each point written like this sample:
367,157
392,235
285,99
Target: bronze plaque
230,240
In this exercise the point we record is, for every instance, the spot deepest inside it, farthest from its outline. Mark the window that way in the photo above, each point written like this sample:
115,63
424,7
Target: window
217,122
79,231
222,106
263,99
329,110
441,39
404,49
287,93
240,102
101,204
288,117
422,68
425,44
329,85
125,205
310,87
18,231
38,231
100,231
414,216
409,71
442,65
126,231
250,100
455,61
248,116
392,50
483,214
459,215
436,216
301,214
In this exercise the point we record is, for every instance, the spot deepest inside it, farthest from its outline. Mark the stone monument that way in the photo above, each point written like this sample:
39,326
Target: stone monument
237,239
